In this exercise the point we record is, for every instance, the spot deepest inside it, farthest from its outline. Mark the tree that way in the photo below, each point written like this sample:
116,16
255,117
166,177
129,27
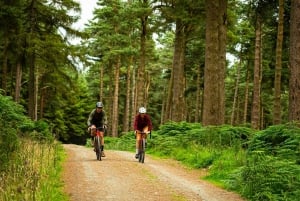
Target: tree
185,17
278,67
256,107
214,97
294,92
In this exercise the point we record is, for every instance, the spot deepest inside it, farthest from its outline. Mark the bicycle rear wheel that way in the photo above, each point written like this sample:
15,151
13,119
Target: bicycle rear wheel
98,147
142,151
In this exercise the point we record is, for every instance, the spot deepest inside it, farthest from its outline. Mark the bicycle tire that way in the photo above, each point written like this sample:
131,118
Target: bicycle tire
98,147
142,151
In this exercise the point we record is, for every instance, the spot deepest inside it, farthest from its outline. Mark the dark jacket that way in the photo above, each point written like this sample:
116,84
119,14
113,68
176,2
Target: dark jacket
97,119
140,123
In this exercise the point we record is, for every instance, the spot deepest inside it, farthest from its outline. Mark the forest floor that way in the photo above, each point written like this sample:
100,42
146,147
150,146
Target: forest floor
120,177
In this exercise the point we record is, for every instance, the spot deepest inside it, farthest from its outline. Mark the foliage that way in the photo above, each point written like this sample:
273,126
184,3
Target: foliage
266,177
29,156
13,124
261,165
281,141
272,169
216,136
11,119
33,173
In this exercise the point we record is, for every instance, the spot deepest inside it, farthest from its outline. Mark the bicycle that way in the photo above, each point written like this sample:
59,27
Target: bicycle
142,146
97,143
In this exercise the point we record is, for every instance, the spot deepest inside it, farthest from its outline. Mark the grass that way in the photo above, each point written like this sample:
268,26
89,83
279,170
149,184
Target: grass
32,173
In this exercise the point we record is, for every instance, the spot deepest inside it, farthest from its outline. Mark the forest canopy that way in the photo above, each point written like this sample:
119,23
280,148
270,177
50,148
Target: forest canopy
168,56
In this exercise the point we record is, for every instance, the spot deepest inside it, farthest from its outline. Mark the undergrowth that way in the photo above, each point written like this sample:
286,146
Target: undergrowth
33,173
260,165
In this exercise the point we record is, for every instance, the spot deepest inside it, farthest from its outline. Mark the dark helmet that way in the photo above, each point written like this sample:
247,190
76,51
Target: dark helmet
99,104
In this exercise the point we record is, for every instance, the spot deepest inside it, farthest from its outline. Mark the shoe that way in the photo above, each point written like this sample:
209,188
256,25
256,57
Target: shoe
102,154
136,156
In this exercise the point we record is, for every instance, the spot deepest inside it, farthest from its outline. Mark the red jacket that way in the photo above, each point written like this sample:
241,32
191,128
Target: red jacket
140,123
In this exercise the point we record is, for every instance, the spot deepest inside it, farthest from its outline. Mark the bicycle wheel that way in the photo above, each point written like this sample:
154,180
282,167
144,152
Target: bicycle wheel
98,147
142,151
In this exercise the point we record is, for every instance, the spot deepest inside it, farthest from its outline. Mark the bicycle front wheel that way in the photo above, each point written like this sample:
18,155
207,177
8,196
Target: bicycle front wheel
98,147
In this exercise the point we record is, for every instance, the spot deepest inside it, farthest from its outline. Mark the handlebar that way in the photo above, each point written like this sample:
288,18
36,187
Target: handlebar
148,132
142,132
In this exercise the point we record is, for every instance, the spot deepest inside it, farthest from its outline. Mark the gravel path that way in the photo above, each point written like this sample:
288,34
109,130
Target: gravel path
119,177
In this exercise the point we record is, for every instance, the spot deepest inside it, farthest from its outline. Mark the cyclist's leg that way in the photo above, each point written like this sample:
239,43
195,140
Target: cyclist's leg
102,143
137,143
145,129
93,133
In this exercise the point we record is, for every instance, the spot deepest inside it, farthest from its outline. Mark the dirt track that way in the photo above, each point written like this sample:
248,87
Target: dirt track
119,177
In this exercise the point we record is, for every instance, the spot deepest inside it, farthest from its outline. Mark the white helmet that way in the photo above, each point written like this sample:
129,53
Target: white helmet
142,110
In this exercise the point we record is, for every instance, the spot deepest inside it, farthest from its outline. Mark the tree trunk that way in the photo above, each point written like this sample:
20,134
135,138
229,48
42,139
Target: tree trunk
213,107
101,84
133,97
115,112
31,63
140,87
278,67
294,84
255,114
126,121
222,52
31,88
168,114
18,82
236,90
4,67
246,100
178,100
198,95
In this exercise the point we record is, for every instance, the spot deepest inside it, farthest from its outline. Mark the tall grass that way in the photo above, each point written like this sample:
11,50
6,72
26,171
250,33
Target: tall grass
33,172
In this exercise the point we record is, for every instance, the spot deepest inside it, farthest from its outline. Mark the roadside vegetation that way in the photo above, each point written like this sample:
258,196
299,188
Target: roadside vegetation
30,158
259,165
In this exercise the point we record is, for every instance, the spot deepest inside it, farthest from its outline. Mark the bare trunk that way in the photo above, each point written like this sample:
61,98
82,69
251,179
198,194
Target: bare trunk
255,114
198,93
126,121
236,90
222,59
101,84
168,112
294,85
115,112
277,82
163,108
140,87
133,97
31,62
246,97
4,67
18,82
178,100
213,105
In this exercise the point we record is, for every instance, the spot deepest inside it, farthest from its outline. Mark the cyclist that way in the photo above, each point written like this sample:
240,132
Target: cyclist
142,122
97,118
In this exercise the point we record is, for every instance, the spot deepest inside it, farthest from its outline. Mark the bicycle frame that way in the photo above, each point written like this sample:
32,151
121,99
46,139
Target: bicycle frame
97,144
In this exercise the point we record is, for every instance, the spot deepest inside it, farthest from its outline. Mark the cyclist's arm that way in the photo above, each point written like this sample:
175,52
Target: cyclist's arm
149,123
135,124
89,121
104,120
